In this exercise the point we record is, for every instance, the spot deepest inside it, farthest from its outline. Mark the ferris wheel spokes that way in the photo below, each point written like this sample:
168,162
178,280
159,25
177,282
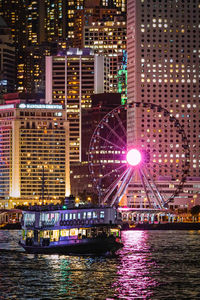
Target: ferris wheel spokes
113,187
111,143
115,134
120,192
108,148
145,188
152,186
111,172
121,124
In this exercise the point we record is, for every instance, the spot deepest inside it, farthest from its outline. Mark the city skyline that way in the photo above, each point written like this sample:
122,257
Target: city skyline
163,72
100,149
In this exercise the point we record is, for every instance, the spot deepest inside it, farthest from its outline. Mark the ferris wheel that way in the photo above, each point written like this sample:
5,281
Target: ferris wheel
158,149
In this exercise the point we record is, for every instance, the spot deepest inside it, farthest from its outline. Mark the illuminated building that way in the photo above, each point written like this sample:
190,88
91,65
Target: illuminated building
72,7
80,11
71,80
90,14
163,68
38,28
109,39
102,103
33,136
52,20
185,200
119,4
7,59
55,23
122,78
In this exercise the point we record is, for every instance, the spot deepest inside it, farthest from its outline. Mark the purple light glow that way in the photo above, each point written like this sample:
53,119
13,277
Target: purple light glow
135,280
134,157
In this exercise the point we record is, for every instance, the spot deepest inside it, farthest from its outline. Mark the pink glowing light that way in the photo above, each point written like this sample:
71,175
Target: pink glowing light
134,157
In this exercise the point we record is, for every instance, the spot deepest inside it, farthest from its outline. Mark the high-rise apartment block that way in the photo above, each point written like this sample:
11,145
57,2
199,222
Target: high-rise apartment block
7,59
46,27
33,137
163,68
119,4
109,39
38,28
71,79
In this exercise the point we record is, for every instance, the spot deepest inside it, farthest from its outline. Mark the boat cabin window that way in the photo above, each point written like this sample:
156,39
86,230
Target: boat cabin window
102,214
70,216
54,235
66,216
94,214
29,233
45,234
73,232
89,214
84,215
79,216
29,218
64,232
49,218
74,216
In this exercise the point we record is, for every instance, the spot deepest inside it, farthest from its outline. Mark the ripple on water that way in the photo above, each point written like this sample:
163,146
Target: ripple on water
151,265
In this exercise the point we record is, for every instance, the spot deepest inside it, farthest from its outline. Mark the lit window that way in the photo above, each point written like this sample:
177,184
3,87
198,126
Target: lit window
102,214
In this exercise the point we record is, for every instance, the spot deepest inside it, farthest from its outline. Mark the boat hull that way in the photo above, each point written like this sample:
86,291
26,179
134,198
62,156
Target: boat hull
85,247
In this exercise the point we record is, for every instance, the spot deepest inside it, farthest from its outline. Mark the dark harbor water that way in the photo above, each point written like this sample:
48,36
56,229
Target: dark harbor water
152,265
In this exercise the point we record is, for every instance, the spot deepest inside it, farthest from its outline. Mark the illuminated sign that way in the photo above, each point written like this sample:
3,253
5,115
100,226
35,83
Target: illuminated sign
40,106
7,106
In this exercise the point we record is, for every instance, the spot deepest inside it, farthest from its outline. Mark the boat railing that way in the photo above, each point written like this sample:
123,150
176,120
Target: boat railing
29,224
48,223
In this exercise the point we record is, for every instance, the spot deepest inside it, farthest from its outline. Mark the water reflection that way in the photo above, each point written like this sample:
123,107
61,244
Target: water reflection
135,268
151,265
83,277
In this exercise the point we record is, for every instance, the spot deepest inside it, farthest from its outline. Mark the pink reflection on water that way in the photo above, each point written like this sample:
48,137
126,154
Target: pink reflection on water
136,267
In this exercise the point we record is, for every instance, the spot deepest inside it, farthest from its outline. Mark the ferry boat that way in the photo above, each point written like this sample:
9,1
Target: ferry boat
58,229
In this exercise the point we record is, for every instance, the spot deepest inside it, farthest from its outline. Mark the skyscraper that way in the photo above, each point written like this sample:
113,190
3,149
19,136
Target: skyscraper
33,136
38,28
7,59
119,4
107,38
163,68
71,79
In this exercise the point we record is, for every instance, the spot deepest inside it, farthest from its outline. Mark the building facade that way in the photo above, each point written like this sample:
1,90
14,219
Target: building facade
7,59
38,28
80,176
33,137
109,39
163,68
71,79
